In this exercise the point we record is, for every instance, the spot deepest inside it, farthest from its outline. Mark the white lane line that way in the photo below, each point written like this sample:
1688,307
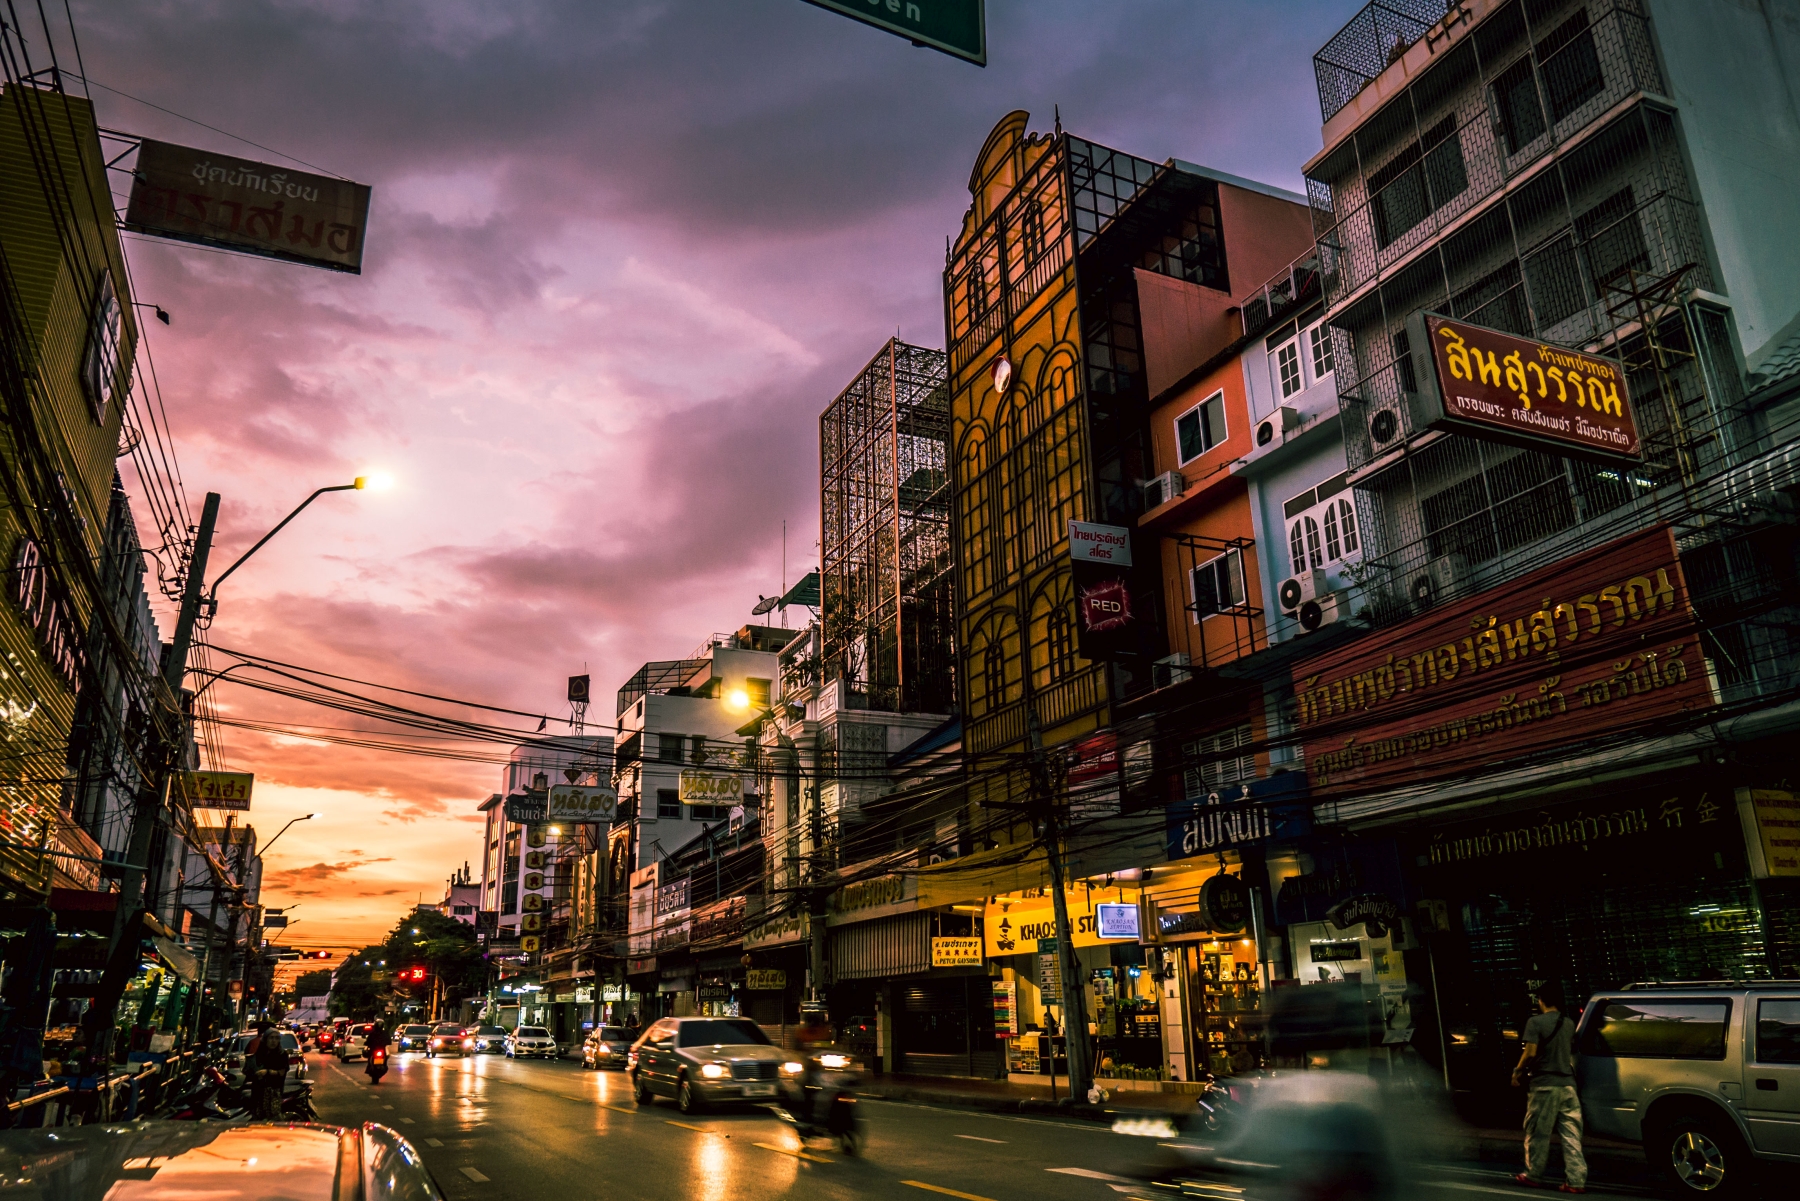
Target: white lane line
434,1142
410,1121
389,1107
1088,1174
474,1175
976,1138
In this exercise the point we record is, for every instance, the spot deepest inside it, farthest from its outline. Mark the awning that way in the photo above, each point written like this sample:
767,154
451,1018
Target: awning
177,958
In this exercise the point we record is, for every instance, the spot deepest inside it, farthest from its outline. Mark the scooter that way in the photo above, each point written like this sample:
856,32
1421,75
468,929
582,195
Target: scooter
377,1064
820,1104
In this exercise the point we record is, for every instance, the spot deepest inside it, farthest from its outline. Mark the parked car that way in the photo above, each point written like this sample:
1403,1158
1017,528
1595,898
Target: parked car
217,1161
605,1047
707,1061
413,1037
1705,1076
353,1045
447,1038
488,1039
240,1047
531,1042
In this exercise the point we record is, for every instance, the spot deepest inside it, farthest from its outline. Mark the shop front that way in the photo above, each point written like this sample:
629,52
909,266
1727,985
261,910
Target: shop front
775,976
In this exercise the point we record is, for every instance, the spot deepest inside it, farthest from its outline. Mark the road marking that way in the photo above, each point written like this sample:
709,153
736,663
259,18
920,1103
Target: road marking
387,1107
791,1151
474,1175
1473,1188
1088,1173
410,1121
685,1126
948,1192
434,1142
1223,1188
976,1138
619,1108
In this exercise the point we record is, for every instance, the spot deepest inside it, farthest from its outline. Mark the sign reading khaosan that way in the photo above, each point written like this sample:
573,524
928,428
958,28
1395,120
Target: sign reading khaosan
217,789
1498,385
1603,641
215,200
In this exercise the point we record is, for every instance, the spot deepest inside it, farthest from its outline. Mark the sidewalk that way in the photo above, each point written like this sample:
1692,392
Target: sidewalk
1610,1161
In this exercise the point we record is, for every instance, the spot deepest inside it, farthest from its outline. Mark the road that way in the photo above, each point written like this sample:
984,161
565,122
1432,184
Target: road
493,1129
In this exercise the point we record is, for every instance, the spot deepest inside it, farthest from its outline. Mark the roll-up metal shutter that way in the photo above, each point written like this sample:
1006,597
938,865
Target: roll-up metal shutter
890,946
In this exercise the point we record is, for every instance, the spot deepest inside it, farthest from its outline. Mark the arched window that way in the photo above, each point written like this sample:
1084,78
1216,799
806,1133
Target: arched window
1303,545
993,675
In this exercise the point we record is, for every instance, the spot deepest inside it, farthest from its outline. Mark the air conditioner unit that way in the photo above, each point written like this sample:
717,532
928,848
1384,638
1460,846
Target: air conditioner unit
1170,669
1388,425
1439,579
1296,590
1163,488
1328,609
1274,429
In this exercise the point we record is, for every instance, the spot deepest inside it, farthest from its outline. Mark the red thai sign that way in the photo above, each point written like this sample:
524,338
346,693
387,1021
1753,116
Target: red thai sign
1496,384
1598,643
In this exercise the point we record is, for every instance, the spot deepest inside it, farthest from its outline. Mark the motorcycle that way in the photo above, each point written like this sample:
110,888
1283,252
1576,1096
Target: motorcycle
820,1104
377,1064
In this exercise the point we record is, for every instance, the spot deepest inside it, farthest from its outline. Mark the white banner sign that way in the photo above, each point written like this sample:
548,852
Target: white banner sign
1090,543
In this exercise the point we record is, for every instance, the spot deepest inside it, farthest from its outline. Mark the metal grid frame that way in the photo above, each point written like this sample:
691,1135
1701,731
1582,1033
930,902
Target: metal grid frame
885,515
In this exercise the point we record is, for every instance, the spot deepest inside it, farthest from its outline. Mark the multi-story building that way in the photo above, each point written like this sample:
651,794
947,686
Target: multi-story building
1588,180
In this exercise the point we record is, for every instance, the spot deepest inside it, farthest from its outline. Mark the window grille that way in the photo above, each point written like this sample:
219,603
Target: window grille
1213,763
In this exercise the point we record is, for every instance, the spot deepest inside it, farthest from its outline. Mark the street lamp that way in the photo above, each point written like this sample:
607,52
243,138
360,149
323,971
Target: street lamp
375,482
304,817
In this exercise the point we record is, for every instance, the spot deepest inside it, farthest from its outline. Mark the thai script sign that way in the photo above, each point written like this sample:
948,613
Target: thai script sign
711,788
1090,543
1597,643
216,200
1772,829
1497,385
582,803
864,897
776,932
763,979
217,789
1238,815
956,952
59,634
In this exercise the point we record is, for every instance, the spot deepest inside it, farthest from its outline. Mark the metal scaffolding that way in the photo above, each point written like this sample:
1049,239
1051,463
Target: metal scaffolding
885,557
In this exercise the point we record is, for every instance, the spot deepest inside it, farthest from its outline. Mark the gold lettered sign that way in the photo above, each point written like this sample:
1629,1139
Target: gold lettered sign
532,902
531,922
582,804
711,788
765,980
217,789
1771,821
956,952
530,943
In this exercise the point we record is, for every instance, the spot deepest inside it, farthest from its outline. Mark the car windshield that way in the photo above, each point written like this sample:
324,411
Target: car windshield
289,1042
490,1031
721,1033
612,1034
446,1028
532,1032
417,1030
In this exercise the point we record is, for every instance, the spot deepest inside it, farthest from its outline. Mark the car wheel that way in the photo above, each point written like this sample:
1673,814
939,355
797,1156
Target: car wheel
686,1099
640,1090
1701,1155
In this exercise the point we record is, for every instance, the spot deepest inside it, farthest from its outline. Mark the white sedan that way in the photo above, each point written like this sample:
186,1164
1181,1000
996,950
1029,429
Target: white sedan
529,1042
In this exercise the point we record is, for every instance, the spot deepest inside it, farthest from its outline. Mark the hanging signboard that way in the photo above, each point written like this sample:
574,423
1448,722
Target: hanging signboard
1106,544
1771,821
957,27
1239,815
215,200
1601,642
1014,925
956,952
582,803
699,787
217,789
1492,384
527,809
763,979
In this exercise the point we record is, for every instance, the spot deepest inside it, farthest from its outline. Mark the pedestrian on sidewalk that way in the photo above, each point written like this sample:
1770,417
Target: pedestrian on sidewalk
1546,1069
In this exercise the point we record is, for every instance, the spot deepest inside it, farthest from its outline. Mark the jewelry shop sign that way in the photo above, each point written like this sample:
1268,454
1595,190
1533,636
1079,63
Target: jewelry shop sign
1603,641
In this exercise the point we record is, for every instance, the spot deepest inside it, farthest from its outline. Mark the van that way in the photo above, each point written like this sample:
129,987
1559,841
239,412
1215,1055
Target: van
1705,1075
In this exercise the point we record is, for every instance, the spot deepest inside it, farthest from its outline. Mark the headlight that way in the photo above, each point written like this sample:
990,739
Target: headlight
714,1071
792,1069
834,1061
468,1042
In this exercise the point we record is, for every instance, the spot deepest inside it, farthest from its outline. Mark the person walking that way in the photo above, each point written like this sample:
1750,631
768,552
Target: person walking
1552,1107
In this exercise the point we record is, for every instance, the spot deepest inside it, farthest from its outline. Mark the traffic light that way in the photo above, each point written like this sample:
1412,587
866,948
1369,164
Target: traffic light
415,973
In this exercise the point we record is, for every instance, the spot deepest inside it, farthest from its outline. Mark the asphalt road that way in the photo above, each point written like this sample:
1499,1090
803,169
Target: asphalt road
493,1129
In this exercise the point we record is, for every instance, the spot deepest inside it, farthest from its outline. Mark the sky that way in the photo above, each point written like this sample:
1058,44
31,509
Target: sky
621,254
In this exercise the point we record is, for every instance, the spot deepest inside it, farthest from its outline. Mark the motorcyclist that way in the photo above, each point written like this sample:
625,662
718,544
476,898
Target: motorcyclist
378,1039
812,1034
267,1062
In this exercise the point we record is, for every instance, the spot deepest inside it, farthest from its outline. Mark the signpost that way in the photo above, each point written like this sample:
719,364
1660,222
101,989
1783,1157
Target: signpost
957,27
217,789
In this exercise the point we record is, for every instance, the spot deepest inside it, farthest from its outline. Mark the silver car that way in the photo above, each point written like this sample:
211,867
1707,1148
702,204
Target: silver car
708,1061
1706,1076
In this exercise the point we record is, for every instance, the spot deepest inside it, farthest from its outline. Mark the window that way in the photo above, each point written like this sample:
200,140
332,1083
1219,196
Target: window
1320,338
1218,584
1303,545
1613,239
1417,182
1654,1029
462,910
668,802
1201,428
1516,102
1570,65
670,746
1340,530
697,748
1287,368
709,813
758,691
1778,1031
1212,766
993,675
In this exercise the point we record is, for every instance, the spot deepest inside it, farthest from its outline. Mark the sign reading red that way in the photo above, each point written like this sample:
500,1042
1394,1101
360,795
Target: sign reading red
1498,385
1105,605
1600,642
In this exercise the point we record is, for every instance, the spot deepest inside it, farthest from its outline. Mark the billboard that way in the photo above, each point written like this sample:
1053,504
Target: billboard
212,199
578,803
1492,384
217,789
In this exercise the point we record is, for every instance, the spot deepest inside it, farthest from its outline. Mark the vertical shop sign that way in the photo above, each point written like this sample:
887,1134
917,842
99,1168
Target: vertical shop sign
1006,1009
1771,822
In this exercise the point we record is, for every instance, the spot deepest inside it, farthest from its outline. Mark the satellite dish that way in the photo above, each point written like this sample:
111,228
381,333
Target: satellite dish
764,605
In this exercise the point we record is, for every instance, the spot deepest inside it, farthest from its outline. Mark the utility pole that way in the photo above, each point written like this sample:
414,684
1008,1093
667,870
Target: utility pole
1075,1020
162,756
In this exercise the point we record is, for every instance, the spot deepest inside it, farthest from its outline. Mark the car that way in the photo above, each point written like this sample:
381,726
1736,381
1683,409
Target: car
448,1038
606,1047
217,1161
489,1039
413,1036
1705,1076
353,1045
240,1048
531,1042
701,1061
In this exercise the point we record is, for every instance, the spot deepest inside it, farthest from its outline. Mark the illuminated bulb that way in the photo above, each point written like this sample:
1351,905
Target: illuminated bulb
737,700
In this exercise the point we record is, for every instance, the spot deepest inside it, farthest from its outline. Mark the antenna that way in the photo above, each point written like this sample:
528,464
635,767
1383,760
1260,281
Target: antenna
784,549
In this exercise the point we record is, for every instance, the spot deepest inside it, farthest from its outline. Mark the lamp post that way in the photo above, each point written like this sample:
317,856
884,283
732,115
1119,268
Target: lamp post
738,701
151,795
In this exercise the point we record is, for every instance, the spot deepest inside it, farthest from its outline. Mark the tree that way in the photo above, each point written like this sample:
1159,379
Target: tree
442,945
313,984
355,993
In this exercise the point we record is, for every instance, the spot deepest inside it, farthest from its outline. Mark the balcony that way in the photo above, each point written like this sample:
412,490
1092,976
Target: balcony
1368,42
1298,282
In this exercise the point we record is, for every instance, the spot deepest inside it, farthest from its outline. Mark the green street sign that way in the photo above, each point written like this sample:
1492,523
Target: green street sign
957,27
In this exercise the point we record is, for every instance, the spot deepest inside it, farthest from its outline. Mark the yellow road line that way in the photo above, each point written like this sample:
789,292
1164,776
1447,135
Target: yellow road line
948,1192
685,1126
791,1151
618,1108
